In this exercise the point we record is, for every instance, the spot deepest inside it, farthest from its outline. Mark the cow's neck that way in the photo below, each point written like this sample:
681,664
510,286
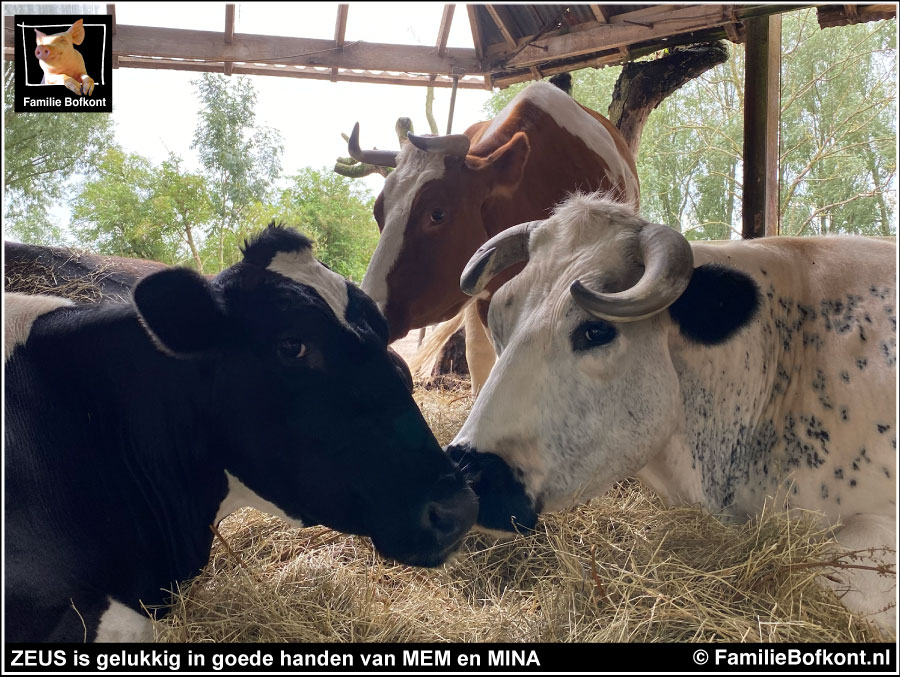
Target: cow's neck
549,175
721,456
146,440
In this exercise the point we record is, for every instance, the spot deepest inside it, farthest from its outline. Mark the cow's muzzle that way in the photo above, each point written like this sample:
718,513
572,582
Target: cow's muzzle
503,503
440,526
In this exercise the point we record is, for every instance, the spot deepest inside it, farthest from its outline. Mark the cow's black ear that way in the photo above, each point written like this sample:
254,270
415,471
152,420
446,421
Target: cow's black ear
181,311
717,303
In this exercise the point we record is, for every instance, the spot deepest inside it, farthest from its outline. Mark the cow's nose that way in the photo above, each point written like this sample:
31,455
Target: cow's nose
503,503
449,519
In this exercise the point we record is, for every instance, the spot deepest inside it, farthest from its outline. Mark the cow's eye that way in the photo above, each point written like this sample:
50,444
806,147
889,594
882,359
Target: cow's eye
438,215
290,349
592,334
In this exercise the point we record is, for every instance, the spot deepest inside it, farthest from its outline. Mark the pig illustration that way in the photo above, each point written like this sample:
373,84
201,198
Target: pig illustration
61,62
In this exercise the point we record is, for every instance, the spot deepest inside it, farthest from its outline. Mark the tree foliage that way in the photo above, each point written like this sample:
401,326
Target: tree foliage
241,159
131,208
42,153
838,135
332,210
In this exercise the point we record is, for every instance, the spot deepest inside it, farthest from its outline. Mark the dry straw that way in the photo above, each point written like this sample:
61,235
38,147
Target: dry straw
621,568
39,278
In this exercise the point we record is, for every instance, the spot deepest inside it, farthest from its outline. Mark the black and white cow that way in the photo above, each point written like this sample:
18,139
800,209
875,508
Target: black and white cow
130,428
766,370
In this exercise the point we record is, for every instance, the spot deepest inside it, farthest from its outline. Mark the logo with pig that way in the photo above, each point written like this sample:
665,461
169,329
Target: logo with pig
63,64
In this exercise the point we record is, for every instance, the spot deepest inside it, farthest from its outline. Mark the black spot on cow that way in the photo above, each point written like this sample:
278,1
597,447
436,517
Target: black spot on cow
839,474
717,303
883,427
889,351
845,376
819,386
852,483
861,363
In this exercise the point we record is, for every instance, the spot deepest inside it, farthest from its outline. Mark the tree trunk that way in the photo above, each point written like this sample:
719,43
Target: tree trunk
194,252
429,102
641,86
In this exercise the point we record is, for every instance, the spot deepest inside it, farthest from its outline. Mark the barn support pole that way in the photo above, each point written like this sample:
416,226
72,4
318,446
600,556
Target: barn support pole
762,86
452,103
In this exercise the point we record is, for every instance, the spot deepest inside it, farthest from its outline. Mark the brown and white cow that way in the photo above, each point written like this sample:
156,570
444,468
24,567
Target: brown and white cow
450,194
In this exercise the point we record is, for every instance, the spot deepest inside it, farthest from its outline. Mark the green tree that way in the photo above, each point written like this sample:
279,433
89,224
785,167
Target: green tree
111,214
838,135
241,159
180,202
130,208
43,152
332,210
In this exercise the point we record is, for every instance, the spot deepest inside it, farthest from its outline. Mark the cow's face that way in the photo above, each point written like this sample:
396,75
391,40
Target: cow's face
585,391
312,412
430,217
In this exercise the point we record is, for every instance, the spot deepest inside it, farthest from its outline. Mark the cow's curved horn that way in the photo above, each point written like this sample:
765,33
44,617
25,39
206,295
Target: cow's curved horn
379,158
496,255
668,267
450,144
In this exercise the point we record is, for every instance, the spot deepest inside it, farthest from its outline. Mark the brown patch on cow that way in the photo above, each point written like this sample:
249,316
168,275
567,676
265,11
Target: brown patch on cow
518,174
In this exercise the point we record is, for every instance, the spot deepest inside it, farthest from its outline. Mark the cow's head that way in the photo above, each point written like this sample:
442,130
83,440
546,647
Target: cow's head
430,215
311,411
584,392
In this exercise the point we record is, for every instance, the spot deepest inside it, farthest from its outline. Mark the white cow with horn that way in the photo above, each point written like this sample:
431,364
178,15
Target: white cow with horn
719,374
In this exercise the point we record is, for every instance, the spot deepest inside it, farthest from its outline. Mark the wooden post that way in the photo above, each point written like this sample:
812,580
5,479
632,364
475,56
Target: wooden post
762,84
229,34
340,33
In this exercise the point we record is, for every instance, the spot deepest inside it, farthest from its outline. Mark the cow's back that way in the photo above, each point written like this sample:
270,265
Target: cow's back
572,148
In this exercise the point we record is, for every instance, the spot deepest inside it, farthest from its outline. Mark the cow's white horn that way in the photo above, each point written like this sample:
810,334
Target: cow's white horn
668,267
379,158
496,255
450,144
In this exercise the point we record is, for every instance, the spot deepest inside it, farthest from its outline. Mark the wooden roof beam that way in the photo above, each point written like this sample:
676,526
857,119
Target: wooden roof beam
229,33
477,41
208,46
444,30
340,33
504,31
630,28
508,37
301,73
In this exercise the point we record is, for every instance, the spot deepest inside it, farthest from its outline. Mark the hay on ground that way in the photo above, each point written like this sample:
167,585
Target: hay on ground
621,568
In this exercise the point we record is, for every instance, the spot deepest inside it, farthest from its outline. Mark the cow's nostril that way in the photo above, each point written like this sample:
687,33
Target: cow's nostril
440,518
450,518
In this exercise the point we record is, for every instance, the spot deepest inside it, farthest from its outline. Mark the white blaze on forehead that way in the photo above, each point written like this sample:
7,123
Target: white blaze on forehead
415,168
241,496
20,313
301,266
575,120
